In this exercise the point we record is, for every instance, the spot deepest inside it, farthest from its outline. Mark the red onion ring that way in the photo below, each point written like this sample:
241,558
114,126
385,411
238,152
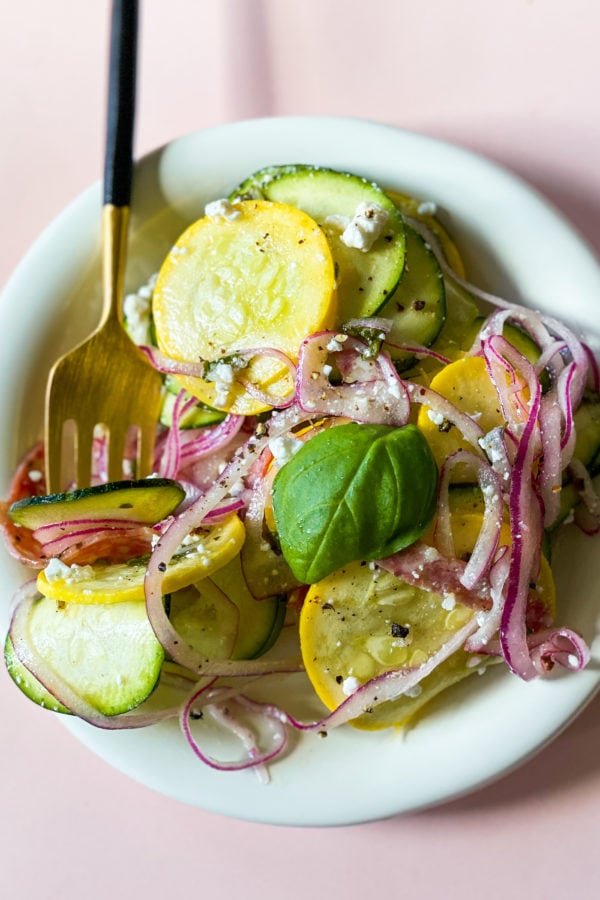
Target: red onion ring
486,544
255,758
382,400
468,427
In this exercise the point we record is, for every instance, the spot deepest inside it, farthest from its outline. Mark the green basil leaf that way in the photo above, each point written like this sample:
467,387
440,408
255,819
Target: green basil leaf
353,492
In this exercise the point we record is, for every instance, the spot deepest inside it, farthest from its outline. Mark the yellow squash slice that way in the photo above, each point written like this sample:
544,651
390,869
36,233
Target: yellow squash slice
467,385
360,622
208,550
259,276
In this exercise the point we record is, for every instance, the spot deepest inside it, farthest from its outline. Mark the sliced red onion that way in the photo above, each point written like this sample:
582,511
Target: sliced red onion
170,460
489,620
526,530
486,544
269,568
510,374
382,400
549,477
386,687
441,407
419,350
221,711
176,647
558,645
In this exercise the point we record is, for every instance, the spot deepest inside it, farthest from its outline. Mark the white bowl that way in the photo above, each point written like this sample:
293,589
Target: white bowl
513,242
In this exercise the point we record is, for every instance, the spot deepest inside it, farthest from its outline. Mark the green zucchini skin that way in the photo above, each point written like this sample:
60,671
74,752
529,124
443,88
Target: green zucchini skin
198,417
365,279
107,653
417,308
28,683
220,617
146,500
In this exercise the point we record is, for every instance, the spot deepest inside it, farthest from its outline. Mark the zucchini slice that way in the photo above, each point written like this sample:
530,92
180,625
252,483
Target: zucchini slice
417,308
260,621
221,619
27,682
147,500
199,416
108,654
365,279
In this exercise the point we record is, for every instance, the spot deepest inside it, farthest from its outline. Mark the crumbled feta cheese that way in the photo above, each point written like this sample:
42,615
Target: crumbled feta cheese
436,417
222,377
365,227
334,346
283,448
56,570
350,685
222,209
449,602
427,208
136,312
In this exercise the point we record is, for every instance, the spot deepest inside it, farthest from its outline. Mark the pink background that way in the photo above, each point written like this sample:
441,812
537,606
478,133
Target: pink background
518,80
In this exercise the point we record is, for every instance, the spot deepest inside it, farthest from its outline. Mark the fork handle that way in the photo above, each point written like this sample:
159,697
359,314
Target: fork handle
118,164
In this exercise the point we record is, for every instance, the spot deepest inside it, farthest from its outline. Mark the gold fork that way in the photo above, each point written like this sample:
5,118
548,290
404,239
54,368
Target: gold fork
106,380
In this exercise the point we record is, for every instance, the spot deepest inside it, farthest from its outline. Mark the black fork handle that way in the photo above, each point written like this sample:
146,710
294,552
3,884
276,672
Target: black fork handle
118,160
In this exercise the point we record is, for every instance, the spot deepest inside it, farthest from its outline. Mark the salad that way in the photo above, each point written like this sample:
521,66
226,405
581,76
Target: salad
361,461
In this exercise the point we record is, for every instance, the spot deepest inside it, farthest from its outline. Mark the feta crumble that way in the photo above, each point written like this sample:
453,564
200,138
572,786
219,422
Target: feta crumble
350,686
283,448
136,312
222,209
222,376
365,227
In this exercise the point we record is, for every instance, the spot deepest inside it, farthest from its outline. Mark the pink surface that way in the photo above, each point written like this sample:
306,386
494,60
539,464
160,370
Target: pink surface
518,81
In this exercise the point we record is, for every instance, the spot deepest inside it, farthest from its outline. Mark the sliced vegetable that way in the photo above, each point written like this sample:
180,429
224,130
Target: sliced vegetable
260,621
417,309
206,619
467,385
147,500
108,654
27,682
426,211
207,550
360,622
257,279
364,229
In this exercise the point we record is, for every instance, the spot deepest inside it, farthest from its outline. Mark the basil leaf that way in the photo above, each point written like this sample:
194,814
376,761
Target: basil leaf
353,492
